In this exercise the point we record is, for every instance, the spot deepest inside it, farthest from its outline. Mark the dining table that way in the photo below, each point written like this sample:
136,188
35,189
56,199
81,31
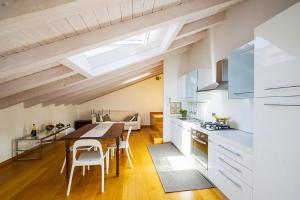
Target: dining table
112,130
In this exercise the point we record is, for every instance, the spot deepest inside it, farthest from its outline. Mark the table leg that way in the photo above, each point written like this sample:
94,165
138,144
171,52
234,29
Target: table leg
67,144
117,155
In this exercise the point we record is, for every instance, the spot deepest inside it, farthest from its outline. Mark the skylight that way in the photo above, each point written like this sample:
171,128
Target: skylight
121,53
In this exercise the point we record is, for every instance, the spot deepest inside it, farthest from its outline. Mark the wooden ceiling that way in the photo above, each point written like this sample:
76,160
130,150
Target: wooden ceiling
35,40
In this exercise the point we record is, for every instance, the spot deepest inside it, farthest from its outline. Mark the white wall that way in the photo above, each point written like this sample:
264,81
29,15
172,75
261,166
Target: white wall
16,121
143,97
172,65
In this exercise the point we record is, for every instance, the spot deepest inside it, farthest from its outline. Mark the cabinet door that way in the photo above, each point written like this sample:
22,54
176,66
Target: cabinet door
191,85
240,72
277,147
211,158
181,88
277,55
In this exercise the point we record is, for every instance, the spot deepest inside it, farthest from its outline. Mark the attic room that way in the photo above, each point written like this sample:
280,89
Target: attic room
149,99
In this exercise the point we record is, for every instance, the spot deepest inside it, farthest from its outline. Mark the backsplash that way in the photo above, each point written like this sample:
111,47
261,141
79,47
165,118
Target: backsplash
240,110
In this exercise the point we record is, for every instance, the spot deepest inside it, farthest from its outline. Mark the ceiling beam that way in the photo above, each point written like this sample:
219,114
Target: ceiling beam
34,80
106,84
114,89
200,25
188,40
63,48
51,97
98,92
43,89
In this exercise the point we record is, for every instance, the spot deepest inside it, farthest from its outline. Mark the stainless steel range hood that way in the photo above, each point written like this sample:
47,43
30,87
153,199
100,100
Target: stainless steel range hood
221,78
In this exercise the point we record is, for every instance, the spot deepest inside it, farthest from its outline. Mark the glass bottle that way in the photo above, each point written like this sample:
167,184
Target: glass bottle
33,131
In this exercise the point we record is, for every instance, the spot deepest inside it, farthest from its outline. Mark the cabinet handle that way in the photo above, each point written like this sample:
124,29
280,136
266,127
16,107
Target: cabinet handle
237,93
236,169
282,87
232,181
237,154
282,105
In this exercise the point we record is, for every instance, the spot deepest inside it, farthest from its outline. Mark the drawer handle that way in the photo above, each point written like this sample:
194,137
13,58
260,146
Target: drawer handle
235,183
237,154
236,169
282,87
282,105
232,181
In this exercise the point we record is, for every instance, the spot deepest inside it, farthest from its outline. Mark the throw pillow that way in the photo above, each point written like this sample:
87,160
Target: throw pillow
128,118
106,118
134,117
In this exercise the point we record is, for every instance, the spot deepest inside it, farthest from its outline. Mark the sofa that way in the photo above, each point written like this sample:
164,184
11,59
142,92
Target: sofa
119,116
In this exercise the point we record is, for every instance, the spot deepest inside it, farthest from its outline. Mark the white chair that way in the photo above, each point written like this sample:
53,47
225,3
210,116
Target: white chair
123,145
68,131
88,158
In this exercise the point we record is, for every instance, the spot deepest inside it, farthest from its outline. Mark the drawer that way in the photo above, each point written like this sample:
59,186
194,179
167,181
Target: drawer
236,154
235,168
231,186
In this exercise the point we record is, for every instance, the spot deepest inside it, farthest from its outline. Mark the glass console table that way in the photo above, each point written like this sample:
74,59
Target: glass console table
27,144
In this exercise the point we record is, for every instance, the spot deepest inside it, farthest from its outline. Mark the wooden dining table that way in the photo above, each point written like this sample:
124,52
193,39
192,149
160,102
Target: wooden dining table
115,131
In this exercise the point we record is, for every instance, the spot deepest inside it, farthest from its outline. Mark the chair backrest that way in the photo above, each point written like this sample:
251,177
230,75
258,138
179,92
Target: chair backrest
128,134
69,130
87,142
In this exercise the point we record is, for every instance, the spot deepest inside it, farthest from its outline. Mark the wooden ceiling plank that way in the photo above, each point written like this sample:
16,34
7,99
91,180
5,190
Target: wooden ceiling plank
64,27
58,50
33,80
114,12
137,8
200,25
126,10
45,34
90,20
102,16
158,5
43,89
78,24
148,7
170,3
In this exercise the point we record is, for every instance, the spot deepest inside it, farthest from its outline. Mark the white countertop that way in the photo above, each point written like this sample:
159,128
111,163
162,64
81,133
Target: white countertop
236,137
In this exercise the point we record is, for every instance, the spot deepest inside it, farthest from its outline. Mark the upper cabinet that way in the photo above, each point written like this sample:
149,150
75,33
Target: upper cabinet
241,72
191,82
181,88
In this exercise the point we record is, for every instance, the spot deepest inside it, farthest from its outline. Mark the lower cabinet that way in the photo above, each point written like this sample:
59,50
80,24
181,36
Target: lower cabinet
232,175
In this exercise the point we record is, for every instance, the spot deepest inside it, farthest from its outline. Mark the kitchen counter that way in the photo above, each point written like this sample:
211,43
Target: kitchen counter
242,139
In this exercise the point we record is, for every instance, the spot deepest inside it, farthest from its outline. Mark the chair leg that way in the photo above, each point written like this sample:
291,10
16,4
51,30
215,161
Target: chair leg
63,166
102,177
128,158
107,164
70,180
130,151
83,170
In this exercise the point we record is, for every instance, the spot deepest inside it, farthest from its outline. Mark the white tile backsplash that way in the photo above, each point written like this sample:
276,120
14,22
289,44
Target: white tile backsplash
240,110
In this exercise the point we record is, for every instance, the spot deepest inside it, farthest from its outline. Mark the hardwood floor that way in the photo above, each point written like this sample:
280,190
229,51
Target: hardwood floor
41,179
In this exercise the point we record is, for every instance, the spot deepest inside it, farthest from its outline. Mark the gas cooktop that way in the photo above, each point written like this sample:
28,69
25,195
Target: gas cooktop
214,126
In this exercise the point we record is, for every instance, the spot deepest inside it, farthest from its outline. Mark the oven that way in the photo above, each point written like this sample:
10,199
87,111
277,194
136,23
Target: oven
199,147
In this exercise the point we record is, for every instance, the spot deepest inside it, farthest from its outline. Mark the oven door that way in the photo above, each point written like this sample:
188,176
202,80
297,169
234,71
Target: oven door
199,148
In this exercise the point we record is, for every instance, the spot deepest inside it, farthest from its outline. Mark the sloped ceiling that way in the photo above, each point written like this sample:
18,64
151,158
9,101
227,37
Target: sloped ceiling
37,42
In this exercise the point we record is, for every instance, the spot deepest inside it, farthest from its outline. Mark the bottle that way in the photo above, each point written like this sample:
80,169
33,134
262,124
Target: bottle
33,131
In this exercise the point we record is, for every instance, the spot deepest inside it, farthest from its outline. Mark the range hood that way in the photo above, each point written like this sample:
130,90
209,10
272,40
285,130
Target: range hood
221,78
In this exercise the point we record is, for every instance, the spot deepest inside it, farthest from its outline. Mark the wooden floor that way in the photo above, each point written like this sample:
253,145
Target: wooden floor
41,179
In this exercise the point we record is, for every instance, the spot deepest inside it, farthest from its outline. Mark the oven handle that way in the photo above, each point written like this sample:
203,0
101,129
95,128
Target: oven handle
200,141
